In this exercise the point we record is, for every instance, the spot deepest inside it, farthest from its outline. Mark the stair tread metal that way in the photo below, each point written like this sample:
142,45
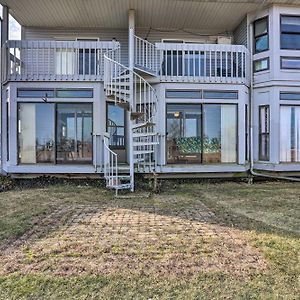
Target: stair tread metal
138,144
142,125
143,134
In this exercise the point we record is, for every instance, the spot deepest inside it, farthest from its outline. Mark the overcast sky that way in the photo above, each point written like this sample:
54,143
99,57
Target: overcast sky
14,28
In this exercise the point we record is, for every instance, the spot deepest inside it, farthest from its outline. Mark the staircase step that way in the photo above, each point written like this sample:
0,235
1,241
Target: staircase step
115,97
136,115
124,105
124,186
143,134
138,144
119,91
137,152
143,125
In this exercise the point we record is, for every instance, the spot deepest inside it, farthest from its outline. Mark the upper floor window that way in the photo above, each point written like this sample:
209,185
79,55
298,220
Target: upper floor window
290,32
261,35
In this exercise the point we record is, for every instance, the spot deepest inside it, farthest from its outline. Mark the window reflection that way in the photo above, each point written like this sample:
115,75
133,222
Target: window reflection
74,133
36,133
201,133
116,125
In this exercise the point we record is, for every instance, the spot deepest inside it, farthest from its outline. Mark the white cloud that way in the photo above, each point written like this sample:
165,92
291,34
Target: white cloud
14,29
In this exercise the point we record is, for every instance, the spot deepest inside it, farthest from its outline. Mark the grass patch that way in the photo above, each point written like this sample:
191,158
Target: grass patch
195,241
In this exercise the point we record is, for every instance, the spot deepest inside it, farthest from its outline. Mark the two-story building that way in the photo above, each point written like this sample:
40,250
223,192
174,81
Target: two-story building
175,88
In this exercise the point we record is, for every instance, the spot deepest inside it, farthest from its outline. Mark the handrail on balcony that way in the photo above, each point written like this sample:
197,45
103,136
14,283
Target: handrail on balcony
55,60
207,63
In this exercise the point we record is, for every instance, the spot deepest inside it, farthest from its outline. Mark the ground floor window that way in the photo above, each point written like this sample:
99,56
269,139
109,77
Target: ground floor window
55,133
201,133
264,133
116,126
290,133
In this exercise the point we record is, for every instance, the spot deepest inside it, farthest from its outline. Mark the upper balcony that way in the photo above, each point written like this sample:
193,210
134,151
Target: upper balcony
190,62
55,60
84,61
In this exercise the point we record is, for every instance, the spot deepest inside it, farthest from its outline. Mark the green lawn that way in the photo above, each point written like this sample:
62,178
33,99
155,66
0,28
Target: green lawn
193,241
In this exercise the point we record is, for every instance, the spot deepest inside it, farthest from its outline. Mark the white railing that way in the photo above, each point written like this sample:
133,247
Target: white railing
110,165
131,91
208,63
55,60
146,55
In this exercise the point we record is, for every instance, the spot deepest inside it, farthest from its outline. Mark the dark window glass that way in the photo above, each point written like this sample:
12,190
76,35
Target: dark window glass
36,133
116,125
35,93
183,94
220,95
184,139
290,32
289,96
74,93
290,63
261,64
261,35
74,133
264,133
201,133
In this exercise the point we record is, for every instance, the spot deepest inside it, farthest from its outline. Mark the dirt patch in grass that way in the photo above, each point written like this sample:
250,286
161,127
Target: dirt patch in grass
138,240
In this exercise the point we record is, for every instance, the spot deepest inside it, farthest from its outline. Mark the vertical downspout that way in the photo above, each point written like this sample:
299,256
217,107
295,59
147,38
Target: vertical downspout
131,51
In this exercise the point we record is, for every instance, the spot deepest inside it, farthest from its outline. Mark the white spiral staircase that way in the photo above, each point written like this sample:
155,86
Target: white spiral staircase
132,92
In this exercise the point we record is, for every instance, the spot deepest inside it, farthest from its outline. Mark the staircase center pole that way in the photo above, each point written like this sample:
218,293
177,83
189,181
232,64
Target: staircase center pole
131,21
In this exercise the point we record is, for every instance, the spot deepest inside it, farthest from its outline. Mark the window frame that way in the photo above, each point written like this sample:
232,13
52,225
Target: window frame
288,93
108,103
287,32
54,163
261,35
261,59
291,58
202,104
261,134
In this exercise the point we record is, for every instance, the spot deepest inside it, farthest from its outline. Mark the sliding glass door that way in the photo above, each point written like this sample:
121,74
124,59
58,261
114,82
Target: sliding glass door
55,133
201,133
74,133
36,133
184,133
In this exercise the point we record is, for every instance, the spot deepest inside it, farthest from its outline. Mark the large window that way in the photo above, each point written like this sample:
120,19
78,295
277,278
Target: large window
290,133
74,133
290,32
116,126
201,133
261,35
38,142
36,133
292,63
264,133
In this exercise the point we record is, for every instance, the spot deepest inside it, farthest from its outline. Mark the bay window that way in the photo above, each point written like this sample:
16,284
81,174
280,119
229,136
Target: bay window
289,133
290,32
261,35
264,133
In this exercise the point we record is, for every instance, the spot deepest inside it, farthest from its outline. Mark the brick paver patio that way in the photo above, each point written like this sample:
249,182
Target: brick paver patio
153,237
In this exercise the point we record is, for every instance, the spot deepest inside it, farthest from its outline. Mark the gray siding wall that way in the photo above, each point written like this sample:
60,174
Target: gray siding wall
240,36
121,35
